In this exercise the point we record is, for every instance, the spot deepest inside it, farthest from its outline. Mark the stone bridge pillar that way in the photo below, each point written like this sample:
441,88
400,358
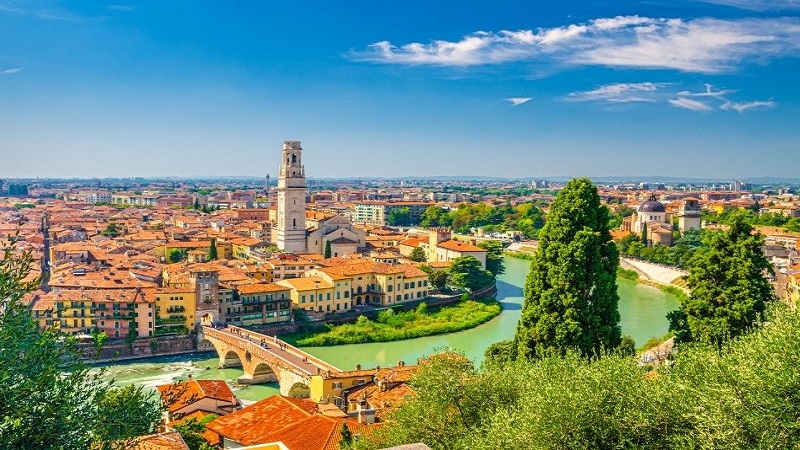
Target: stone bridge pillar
258,367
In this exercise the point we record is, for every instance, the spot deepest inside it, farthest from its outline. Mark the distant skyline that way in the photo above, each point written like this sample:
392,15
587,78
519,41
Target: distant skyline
694,89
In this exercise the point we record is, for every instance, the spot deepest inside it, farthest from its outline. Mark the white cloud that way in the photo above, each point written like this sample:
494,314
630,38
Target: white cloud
708,99
699,45
11,71
709,92
746,106
692,105
516,101
620,93
759,5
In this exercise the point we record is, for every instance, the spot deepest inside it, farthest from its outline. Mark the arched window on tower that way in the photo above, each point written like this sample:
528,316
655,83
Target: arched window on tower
294,159
294,223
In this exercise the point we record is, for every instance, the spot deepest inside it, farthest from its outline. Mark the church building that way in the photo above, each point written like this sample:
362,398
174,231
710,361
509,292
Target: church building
301,231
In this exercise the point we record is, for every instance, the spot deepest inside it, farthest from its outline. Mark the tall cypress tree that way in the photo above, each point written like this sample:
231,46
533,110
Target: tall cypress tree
212,250
571,290
727,278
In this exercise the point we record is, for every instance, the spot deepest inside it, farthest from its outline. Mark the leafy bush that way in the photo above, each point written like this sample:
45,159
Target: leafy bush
394,326
744,394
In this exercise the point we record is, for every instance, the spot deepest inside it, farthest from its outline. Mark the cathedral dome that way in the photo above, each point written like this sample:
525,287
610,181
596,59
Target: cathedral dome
652,205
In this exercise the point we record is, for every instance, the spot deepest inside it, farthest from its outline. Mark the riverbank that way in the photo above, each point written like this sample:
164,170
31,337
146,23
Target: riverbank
395,326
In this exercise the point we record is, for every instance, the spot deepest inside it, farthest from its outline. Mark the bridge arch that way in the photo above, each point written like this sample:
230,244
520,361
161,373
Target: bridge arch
299,390
264,358
229,358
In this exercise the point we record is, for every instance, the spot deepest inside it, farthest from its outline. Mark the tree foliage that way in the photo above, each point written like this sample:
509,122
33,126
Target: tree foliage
571,290
467,272
399,217
177,255
50,398
494,257
212,250
745,395
192,431
728,284
438,279
418,255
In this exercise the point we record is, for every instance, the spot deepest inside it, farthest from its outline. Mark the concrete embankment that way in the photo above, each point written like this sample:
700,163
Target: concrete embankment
653,272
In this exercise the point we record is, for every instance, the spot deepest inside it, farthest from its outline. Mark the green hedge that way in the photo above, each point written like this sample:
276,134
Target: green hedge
395,326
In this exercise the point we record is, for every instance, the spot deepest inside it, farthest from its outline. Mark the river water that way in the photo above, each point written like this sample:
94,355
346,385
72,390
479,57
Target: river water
642,309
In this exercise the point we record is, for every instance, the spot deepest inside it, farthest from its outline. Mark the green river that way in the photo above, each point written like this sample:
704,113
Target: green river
642,309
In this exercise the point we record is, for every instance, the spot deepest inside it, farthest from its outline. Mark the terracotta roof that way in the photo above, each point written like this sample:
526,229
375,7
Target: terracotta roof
255,423
260,288
179,395
170,440
306,283
459,246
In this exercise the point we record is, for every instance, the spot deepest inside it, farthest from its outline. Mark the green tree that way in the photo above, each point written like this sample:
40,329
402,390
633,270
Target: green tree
399,217
645,241
196,203
177,255
212,250
728,284
346,436
434,216
571,289
438,279
468,273
192,432
50,398
99,339
494,257
327,249
122,413
418,255
111,230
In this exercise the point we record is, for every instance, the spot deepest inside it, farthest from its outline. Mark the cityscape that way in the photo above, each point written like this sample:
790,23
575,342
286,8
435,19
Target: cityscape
331,227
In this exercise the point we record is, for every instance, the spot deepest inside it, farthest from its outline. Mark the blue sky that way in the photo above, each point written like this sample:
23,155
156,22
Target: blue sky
412,88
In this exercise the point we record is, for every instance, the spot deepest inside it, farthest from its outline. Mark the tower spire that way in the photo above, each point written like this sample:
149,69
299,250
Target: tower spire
290,231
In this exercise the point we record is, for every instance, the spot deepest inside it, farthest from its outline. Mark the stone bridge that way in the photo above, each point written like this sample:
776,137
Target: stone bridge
264,358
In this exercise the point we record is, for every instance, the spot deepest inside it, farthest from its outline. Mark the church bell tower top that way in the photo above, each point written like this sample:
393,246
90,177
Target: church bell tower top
292,145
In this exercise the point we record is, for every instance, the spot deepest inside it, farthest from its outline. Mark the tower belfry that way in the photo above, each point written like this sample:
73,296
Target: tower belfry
290,232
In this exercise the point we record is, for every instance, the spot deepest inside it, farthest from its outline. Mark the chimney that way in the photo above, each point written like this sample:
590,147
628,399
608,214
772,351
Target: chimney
366,416
358,366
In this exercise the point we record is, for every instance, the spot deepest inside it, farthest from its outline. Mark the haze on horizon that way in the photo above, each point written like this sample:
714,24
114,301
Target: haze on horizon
700,89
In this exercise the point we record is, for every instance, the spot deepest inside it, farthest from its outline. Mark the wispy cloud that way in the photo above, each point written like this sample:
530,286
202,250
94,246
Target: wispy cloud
746,106
699,45
708,99
46,14
759,5
11,71
620,93
516,101
692,105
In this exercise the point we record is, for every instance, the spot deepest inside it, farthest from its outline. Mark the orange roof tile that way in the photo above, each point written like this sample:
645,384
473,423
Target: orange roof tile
253,424
182,394
459,246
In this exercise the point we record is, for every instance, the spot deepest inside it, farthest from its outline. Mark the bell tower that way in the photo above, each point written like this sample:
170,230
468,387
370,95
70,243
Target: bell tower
290,232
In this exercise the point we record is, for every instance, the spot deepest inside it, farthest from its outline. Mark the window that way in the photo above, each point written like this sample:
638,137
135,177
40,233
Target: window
337,384
302,299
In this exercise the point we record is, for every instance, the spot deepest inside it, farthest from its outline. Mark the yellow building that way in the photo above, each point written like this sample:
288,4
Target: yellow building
329,387
793,286
174,309
262,304
375,283
312,293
